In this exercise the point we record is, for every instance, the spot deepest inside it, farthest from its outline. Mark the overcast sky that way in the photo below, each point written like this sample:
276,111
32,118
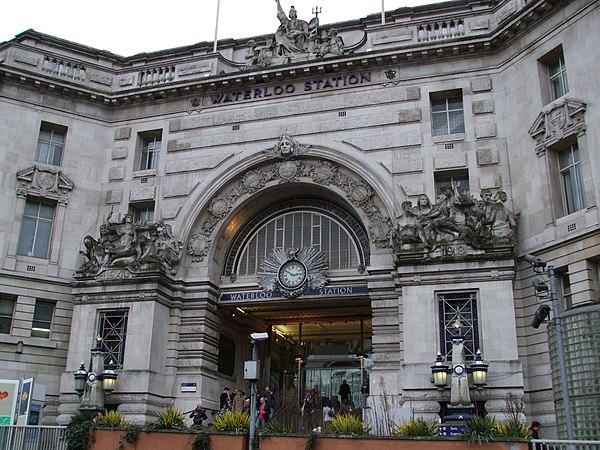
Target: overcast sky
127,27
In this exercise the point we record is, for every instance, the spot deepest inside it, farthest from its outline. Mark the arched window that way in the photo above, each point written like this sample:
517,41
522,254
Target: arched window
298,224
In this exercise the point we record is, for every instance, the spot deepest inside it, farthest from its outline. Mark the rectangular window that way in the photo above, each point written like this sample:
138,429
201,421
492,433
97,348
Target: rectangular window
36,229
112,328
450,179
569,165
447,114
557,75
42,319
143,214
226,355
458,309
50,143
7,309
150,149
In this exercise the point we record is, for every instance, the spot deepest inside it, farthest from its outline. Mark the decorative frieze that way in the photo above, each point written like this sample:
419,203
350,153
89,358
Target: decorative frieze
44,182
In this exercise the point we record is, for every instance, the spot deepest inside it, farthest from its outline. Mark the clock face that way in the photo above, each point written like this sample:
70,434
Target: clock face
459,369
292,274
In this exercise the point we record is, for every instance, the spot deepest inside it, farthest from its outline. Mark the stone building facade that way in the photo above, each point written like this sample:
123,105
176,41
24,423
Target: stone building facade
352,190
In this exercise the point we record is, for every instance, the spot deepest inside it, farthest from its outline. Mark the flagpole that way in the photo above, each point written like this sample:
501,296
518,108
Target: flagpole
382,13
217,26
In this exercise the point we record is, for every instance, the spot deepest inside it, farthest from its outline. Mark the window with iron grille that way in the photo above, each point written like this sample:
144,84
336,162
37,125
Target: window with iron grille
51,141
226,355
112,328
458,308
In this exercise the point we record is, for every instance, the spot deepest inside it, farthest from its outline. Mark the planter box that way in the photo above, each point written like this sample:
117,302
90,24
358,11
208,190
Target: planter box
275,442
177,440
161,440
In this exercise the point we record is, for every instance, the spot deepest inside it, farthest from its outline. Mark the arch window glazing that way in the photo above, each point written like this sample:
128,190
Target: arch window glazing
299,229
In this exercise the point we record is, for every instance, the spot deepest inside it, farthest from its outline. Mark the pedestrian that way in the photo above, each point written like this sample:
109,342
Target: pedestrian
535,429
246,409
344,391
263,413
271,401
345,408
238,401
364,392
328,414
198,415
224,402
308,409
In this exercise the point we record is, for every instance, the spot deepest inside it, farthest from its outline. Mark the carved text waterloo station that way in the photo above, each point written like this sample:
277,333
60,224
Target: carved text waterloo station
287,89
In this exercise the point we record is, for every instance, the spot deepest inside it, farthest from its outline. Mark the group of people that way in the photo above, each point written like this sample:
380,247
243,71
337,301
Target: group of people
236,400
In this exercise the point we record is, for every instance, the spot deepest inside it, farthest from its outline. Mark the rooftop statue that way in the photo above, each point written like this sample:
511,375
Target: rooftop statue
294,40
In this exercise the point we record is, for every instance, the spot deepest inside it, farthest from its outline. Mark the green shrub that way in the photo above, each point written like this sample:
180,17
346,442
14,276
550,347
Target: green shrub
111,419
348,424
232,421
416,427
132,432
481,429
170,419
202,441
78,431
277,425
511,429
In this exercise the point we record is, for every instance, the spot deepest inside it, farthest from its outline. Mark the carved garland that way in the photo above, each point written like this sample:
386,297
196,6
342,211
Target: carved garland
324,173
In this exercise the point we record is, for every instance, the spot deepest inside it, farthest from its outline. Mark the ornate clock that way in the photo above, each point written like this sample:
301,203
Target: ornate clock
292,274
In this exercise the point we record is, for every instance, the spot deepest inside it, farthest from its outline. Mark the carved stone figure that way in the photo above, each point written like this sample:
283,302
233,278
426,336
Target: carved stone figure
292,34
456,218
333,45
131,246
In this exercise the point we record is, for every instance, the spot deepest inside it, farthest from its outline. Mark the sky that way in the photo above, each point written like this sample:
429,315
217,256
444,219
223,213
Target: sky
128,27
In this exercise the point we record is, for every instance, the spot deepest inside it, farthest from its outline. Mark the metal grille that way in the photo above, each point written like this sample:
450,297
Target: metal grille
112,328
459,308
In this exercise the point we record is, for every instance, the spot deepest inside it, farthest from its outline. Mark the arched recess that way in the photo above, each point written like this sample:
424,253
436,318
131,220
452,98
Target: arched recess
279,178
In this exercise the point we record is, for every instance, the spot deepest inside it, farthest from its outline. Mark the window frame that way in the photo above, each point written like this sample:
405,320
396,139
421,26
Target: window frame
37,323
149,149
114,335
140,213
4,317
447,112
447,318
572,185
546,77
446,178
27,218
52,143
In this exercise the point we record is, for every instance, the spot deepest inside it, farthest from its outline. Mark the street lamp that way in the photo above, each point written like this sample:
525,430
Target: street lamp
460,397
91,385
251,370
541,288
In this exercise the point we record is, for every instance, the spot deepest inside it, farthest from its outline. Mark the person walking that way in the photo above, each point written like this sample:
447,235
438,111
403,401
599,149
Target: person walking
239,400
263,414
224,401
198,415
344,391
271,401
328,414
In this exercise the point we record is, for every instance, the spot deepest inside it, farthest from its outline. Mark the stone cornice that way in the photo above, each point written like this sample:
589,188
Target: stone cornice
188,71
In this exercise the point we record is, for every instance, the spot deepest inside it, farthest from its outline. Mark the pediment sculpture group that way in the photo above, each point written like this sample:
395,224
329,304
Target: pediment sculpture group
455,217
295,39
135,246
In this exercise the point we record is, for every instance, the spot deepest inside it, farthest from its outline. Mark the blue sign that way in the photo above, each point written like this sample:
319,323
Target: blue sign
334,291
452,430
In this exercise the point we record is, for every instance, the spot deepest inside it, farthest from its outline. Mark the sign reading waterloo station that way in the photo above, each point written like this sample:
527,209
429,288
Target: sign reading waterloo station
308,86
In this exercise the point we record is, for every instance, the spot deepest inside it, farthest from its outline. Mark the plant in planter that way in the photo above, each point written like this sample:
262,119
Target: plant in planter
481,429
202,441
513,427
235,421
277,426
348,424
169,419
416,427
78,431
111,419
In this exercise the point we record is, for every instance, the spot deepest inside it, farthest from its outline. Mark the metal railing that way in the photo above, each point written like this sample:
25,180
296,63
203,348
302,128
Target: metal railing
32,437
553,444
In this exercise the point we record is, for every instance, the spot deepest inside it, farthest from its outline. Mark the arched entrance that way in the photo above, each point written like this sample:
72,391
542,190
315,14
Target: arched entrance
317,336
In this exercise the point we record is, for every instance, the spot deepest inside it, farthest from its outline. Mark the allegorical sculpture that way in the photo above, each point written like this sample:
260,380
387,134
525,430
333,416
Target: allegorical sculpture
135,246
455,218
294,40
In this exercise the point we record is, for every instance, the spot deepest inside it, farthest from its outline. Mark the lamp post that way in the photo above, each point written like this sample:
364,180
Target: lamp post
251,370
541,267
460,398
93,384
